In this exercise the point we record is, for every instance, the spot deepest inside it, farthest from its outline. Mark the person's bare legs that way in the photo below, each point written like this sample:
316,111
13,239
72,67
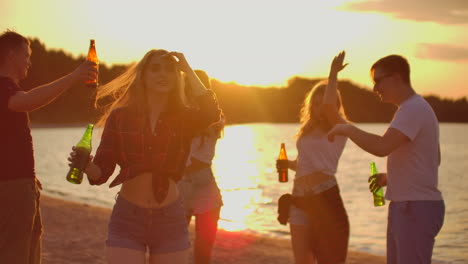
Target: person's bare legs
178,257
125,256
206,226
300,241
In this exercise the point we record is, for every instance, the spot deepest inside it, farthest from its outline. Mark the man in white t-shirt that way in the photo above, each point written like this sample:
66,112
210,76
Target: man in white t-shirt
416,212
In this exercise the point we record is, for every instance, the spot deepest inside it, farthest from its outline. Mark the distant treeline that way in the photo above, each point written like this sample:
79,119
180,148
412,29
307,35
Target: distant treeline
241,104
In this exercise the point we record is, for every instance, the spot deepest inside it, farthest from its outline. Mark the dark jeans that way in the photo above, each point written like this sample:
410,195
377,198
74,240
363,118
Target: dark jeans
329,225
411,231
20,222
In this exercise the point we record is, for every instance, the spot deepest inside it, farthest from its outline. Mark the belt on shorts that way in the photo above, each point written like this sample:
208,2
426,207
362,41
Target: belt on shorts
309,203
196,165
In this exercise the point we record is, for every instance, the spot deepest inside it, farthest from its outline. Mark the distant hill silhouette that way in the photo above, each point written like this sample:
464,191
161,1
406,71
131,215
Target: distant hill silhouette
241,104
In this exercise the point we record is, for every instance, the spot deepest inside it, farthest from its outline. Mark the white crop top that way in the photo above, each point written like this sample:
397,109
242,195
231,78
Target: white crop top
317,154
203,152
203,147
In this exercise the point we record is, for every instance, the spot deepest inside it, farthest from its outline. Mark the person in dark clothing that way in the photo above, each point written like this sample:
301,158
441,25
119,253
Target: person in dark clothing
20,218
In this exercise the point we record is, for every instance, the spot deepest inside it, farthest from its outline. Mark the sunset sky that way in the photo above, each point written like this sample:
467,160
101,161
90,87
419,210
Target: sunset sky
262,42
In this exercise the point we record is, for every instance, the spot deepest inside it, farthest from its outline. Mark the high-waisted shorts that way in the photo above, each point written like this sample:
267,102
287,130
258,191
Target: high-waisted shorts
200,191
161,230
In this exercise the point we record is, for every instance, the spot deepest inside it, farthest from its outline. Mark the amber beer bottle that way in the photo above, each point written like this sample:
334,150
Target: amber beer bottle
83,150
283,165
377,194
92,56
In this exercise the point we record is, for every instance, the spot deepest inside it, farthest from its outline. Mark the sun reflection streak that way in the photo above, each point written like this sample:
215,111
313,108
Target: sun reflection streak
237,176
235,211
239,207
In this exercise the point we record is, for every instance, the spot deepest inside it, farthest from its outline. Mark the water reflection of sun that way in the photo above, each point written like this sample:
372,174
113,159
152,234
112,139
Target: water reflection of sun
239,182
235,210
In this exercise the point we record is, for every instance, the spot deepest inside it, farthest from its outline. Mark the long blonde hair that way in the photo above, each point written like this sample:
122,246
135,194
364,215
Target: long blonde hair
311,120
128,90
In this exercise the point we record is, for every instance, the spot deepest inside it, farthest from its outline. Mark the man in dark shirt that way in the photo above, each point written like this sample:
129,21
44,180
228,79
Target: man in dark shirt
20,220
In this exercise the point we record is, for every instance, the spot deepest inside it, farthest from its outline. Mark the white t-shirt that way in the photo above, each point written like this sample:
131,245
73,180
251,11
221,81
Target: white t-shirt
412,169
317,154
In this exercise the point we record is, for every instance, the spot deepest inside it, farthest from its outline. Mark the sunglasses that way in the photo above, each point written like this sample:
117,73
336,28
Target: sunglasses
380,78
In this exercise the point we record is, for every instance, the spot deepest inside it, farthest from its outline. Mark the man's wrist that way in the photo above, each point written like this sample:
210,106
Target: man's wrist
348,128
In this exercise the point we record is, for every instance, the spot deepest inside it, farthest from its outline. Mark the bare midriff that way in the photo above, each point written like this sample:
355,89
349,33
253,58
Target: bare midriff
313,179
139,191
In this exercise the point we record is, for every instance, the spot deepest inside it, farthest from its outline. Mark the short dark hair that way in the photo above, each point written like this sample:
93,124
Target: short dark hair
394,64
10,40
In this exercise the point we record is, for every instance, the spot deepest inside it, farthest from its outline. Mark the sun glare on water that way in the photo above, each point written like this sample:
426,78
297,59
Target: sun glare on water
239,181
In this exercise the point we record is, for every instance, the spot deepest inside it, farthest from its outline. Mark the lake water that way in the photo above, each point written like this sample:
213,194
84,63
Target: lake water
245,172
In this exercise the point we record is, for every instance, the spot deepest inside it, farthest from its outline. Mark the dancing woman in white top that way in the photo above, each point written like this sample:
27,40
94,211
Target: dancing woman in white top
320,227
202,197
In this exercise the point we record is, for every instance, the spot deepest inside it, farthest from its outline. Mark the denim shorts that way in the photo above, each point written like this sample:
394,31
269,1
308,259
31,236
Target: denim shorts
161,230
411,230
200,192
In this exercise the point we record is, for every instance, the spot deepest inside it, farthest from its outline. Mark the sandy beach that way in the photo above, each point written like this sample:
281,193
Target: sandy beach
75,233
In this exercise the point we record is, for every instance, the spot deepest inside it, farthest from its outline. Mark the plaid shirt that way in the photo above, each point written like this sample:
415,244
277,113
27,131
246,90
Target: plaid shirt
127,141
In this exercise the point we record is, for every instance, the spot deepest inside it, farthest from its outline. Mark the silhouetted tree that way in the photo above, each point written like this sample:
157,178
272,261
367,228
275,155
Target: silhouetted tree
241,104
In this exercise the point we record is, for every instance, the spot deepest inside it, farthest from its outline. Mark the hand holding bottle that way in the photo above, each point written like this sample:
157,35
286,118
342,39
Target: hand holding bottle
75,156
91,169
376,188
377,181
80,156
282,164
86,72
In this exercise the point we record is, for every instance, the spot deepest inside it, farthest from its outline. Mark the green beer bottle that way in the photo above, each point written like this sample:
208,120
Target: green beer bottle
83,150
378,194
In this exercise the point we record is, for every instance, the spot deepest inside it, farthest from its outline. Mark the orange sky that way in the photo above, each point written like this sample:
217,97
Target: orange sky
262,42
